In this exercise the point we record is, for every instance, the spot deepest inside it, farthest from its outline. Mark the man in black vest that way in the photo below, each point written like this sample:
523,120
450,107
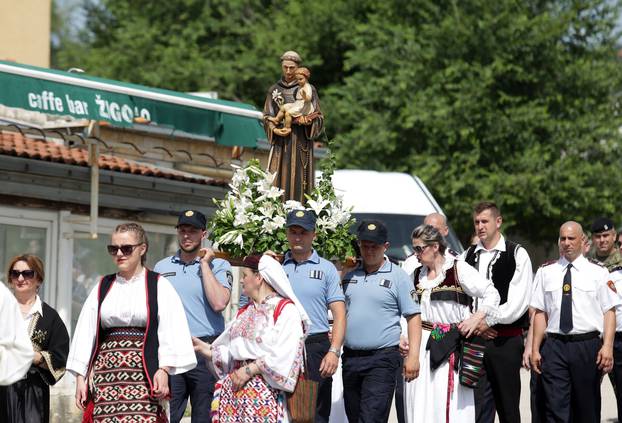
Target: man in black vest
507,264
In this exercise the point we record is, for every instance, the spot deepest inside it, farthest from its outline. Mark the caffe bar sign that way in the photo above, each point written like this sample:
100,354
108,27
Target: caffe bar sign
120,104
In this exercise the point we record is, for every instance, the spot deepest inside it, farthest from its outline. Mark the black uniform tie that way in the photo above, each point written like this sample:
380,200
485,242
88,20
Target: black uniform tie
565,316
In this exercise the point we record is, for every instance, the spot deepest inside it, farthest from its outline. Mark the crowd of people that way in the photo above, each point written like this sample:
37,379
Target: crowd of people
445,333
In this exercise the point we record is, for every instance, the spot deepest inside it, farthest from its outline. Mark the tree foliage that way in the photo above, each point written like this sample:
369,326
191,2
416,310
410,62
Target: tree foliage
512,101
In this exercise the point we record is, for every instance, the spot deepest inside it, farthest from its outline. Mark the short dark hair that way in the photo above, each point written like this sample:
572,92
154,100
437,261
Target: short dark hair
487,205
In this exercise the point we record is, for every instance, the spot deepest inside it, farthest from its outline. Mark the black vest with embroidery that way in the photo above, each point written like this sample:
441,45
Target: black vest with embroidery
448,290
501,273
151,342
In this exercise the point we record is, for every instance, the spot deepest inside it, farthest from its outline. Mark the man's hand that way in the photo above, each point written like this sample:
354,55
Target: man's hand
207,255
160,384
536,362
81,392
604,360
404,347
329,364
489,333
468,327
411,367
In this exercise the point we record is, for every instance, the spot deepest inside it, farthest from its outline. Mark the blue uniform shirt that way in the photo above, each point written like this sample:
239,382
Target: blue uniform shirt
374,304
187,280
316,284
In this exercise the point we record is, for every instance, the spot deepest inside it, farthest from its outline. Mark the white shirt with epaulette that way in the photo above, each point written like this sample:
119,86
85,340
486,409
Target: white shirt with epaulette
591,295
615,282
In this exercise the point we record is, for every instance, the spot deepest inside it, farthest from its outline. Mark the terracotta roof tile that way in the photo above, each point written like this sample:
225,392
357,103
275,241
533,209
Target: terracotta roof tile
16,144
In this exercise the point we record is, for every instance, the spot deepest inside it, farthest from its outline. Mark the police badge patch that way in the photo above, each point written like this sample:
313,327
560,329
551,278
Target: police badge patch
316,274
230,277
612,286
385,283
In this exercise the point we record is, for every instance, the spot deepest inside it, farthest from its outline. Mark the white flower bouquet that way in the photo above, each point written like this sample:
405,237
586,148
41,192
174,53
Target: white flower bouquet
251,218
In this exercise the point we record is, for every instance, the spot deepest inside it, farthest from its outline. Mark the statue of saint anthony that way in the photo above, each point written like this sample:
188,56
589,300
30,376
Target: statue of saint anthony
291,130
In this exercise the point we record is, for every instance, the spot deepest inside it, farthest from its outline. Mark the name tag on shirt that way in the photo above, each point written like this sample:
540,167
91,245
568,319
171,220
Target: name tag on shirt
347,281
385,283
316,274
167,274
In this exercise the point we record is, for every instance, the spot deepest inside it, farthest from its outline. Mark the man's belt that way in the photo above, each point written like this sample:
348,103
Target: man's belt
574,338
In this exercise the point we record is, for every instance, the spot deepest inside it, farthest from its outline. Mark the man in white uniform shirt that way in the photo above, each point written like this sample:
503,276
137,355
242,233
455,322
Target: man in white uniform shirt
507,265
575,304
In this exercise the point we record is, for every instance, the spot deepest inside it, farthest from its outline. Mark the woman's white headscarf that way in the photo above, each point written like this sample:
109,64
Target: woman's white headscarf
272,272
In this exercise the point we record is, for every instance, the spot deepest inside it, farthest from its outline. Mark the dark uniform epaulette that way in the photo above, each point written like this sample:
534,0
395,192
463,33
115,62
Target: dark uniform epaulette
453,252
594,261
548,263
615,269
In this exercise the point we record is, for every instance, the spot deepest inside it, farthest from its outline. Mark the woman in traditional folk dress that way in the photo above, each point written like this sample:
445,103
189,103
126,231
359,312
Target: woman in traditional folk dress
28,399
445,286
259,355
131,334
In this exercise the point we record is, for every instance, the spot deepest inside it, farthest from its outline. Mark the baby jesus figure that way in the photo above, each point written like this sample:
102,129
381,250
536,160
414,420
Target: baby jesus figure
302,106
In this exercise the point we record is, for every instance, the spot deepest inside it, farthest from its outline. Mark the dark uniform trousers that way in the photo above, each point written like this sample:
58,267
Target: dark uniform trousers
616,374
197,383
536,400
571,378
369,383
317,346
399,393
500,389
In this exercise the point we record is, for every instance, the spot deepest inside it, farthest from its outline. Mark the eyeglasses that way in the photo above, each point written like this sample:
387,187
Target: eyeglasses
26,274
126,250
418,249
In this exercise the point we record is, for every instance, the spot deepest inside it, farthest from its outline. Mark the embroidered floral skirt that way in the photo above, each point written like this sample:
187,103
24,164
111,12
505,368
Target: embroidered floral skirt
121,388
255,402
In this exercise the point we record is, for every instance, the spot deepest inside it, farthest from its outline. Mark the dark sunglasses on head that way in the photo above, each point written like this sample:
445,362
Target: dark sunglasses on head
418,249
126,250
26,274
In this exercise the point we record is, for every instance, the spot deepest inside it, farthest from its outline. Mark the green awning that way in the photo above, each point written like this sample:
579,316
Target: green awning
86,97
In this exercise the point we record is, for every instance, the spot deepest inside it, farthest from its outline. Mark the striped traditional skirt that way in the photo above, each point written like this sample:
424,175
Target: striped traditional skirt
121,389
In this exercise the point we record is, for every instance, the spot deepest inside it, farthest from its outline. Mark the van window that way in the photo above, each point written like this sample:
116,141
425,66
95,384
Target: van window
399,227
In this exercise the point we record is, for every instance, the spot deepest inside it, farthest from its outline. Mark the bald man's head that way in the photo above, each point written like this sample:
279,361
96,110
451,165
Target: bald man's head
571,240
438,221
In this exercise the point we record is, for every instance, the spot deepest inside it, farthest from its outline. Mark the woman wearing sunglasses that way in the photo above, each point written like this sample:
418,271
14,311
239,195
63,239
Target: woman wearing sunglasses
446,287
131,334
28,399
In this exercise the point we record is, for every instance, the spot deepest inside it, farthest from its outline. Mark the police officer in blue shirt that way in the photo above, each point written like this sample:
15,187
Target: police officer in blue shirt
204,286
316,284
377,293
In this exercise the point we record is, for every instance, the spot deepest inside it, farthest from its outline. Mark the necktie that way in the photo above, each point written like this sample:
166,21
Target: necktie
565,316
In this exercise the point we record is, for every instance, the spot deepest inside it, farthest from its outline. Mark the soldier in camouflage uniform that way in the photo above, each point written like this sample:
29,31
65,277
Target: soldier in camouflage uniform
603,244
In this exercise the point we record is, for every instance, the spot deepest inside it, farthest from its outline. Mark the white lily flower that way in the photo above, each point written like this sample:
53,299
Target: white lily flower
279,221
240,219
267,210
293,205
239,240
317,205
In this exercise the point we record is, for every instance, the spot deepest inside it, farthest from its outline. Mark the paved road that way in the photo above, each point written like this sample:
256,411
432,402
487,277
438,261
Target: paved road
608,414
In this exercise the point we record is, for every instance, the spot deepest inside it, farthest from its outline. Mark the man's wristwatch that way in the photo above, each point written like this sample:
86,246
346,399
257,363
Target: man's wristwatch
335,351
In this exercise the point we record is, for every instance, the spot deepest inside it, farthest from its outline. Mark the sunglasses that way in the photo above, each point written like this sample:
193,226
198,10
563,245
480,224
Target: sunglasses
26,274
126,250
418,249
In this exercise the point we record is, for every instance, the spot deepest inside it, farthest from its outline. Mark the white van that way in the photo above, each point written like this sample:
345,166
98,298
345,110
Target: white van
400,200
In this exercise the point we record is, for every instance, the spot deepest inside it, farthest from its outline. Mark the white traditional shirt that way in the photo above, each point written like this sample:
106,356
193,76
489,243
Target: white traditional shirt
473,284
16,352
36,308
125,305
412,262
276,348
616,277
519,291
591,295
